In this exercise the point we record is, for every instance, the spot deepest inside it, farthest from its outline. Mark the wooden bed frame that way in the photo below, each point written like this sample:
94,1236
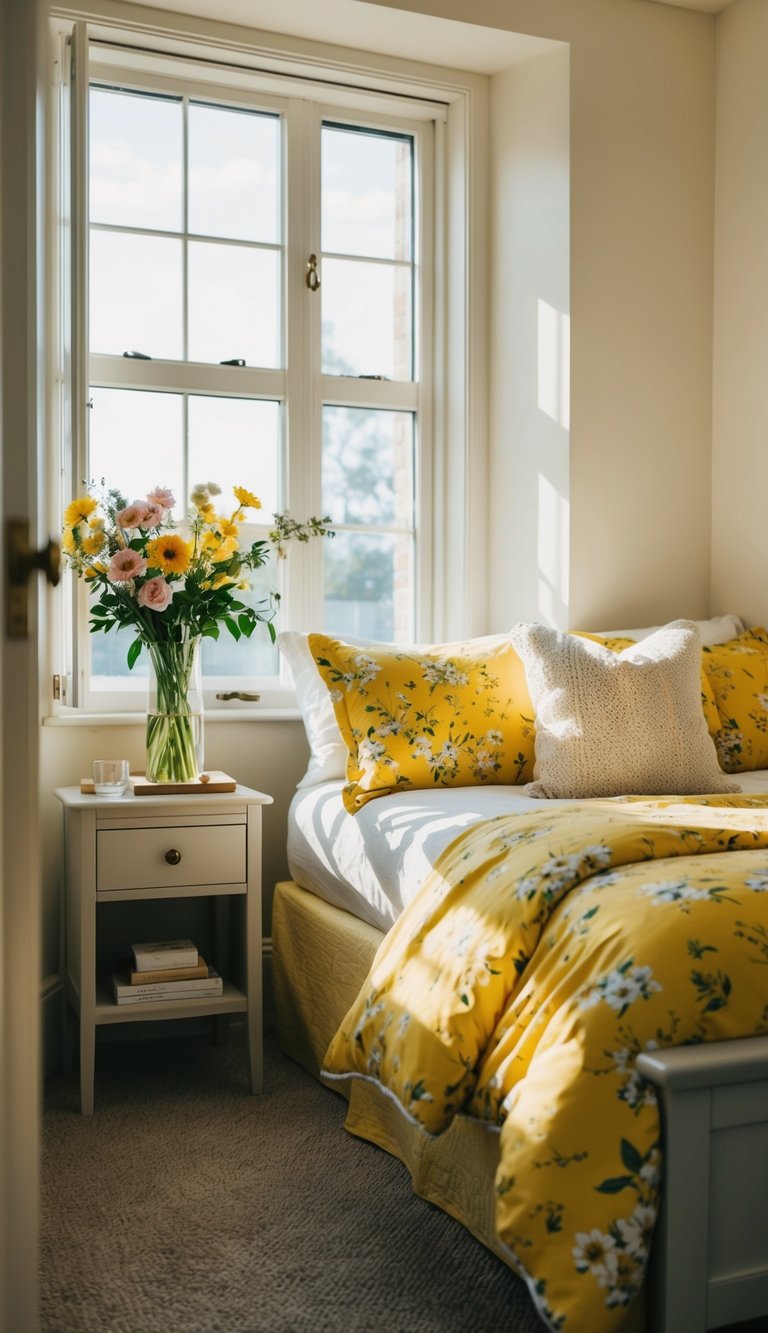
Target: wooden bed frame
709,1265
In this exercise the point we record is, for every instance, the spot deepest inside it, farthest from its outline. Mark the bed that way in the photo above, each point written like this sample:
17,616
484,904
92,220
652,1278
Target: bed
358,879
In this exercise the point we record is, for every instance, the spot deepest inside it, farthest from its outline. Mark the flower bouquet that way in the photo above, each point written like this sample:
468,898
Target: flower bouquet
173,586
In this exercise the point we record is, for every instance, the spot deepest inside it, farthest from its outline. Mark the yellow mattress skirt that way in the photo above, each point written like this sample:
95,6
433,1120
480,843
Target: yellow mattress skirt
320,959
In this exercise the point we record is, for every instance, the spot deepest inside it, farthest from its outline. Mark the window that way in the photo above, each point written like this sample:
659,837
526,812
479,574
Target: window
218,201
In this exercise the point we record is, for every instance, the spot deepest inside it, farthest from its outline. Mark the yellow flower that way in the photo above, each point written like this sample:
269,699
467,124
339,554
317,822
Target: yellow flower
206,511
93,571
209,541
247,498
79,510
169,553
222,580
93,543
227,528
68,543
225,551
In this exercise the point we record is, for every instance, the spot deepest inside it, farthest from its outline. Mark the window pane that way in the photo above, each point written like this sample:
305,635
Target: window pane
135,160
136,442
252,657
367,193
368,466
368,583
233,304
236,442
135,294
233,173
367,320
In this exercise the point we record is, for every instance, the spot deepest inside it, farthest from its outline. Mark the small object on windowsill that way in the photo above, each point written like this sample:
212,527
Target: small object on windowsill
373,377
236,361
205,778
138,356
239,694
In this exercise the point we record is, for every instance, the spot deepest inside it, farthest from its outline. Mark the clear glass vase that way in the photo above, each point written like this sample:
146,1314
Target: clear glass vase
175,712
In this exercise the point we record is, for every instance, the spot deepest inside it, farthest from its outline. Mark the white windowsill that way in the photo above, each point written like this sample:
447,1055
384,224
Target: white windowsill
214,715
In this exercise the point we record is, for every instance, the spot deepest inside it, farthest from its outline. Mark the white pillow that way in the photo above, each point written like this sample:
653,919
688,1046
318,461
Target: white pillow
327,751
616,724
717,630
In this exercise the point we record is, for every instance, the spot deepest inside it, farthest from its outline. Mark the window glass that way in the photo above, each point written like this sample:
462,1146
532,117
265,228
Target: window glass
367,194
233,304
136,151
137,442
233,173
136,294
236,442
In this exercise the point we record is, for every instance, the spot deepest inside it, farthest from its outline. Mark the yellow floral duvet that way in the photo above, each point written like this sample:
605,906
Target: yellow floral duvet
541,955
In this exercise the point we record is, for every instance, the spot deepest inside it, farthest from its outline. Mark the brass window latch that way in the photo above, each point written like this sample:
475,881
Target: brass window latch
313,277
239,694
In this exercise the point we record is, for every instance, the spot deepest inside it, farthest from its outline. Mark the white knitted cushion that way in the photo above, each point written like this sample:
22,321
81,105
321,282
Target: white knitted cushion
617,724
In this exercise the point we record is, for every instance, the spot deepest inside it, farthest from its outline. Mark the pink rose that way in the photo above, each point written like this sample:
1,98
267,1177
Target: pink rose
162,496
126,565
156,594
133,516
153,515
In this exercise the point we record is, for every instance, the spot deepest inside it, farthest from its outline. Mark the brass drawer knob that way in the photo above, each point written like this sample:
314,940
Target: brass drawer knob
173,856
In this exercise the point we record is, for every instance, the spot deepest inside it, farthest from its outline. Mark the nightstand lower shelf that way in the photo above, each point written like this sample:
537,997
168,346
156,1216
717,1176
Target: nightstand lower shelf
232,1001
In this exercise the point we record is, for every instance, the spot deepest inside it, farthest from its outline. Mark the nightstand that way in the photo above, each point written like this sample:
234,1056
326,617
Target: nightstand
134,848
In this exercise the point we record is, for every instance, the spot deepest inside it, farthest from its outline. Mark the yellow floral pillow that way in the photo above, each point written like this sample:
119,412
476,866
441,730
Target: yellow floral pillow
738,675
450,715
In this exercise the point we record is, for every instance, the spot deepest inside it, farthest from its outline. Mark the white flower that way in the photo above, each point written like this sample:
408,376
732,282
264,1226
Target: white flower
422,748
370,751
494,738
758,882
591,1251
673,891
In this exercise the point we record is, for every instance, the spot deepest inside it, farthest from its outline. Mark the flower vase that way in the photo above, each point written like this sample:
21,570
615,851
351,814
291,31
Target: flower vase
175,712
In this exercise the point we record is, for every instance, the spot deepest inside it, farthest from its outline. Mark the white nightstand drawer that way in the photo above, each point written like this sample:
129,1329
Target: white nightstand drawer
148,858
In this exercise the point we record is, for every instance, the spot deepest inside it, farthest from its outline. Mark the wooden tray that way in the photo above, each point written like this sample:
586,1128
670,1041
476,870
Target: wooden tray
216,782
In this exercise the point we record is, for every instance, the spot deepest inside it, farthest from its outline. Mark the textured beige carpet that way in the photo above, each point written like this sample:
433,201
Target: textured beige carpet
185,1204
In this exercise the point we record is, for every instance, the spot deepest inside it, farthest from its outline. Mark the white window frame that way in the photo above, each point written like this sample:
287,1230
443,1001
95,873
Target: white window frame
450,483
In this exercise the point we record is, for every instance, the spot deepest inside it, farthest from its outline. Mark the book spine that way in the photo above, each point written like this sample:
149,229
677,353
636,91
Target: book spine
169,974
139,997
158,988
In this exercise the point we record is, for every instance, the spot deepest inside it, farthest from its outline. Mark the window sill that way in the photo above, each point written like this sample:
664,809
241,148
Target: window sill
212,715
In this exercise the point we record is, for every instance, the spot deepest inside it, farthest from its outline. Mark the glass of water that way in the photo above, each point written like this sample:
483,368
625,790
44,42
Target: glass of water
110,776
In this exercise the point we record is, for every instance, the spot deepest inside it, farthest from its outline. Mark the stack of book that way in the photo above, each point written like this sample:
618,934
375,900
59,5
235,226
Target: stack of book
165,970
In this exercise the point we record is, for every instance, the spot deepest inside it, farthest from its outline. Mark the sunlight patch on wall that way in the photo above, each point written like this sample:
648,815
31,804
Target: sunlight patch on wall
555,364
553,545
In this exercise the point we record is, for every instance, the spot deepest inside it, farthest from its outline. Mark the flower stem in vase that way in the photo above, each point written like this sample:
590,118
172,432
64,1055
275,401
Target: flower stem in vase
174,712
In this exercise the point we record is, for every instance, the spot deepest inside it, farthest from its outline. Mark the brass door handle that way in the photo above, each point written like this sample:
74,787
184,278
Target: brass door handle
20,564
22,561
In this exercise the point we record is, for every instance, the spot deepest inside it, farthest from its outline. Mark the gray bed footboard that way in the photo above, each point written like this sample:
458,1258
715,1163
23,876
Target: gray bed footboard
709,1265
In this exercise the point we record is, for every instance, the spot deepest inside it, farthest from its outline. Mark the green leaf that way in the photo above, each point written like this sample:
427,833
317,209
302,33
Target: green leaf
233,629
133,653
630,1156
272,631
614,1184
210,631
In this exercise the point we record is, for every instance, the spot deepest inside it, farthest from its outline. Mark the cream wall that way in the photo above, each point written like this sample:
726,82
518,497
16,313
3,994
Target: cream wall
528,507
740,401
641,258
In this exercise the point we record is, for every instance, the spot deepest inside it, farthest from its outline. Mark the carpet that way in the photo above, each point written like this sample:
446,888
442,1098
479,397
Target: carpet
184,1203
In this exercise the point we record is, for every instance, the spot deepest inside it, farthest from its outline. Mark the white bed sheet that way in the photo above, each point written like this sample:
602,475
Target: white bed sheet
371,864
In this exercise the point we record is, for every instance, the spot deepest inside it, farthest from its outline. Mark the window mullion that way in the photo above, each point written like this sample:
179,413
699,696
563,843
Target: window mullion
303,389
79,306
